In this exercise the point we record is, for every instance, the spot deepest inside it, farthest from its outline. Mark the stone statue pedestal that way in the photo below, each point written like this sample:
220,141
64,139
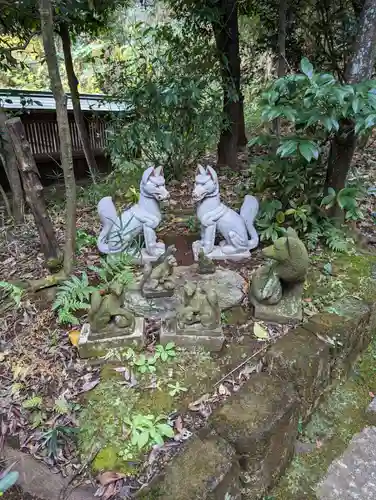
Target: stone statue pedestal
289,309
93,344
143,257
190,336
217,253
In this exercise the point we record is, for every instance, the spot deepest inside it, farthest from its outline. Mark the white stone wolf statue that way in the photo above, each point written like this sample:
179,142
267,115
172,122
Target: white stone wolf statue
118,232
238,230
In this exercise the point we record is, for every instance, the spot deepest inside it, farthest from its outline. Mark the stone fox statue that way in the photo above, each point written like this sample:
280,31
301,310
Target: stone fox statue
290,266
118,232
237,230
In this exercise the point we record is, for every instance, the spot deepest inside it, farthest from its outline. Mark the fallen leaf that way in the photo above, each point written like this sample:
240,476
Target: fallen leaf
88,386
260,332
109,477
74,336
318,444
371,394
179,426
195,406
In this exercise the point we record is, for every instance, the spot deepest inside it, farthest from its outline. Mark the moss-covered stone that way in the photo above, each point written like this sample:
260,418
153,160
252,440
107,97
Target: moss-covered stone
346,330
302,359
204,469
260,421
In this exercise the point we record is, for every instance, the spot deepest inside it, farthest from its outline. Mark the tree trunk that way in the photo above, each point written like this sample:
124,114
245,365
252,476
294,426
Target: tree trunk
226,34
281,50
34,192
360,68
64,132
11,169
242,137
75,95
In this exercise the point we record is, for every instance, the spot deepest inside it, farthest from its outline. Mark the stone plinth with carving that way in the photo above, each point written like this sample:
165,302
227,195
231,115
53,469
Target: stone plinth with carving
158,280
198,320
237,229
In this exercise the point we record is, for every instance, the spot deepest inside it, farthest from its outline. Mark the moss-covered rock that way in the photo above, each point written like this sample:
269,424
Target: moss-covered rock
260,421
301,358
204,469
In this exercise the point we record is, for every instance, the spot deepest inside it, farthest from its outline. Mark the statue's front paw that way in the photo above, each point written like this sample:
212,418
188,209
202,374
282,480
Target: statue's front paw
160,245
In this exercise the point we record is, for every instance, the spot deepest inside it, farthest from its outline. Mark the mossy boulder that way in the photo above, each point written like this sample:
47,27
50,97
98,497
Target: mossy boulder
301,358
204,469
261,422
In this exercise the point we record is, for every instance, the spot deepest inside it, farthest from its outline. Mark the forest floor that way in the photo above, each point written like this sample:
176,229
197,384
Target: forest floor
41,375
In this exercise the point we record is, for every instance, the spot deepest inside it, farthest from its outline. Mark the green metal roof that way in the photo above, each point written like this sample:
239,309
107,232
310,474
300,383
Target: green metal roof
41,100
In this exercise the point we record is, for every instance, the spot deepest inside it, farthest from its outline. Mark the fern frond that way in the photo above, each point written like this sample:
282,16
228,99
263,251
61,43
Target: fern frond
15,292
72,295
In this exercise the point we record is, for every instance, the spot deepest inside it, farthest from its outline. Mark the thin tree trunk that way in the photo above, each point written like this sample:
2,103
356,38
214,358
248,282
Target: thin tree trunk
75,95
227,40
242,137
11,169
64,132
34,192
281,50
360,68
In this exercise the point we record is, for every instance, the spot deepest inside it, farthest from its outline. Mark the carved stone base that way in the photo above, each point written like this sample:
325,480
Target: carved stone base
96,344
288,311
217,253
144,257
191,335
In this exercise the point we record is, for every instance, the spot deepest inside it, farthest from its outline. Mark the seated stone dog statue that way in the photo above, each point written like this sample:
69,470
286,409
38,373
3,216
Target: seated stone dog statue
289,267
158,279
200,305
104,308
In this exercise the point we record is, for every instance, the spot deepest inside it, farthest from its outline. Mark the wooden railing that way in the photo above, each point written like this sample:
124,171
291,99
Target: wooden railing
43,136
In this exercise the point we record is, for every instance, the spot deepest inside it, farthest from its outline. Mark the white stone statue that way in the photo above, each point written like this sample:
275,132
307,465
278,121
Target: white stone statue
118,232
238,230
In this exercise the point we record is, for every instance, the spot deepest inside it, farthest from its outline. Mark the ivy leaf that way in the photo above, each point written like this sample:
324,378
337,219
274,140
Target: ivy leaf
142,440
165,430
309,150
306,67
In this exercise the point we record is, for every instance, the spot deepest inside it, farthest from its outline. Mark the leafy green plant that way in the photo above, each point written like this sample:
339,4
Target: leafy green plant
72,295
115,268
146,430
164,353
55,438
176,389
145,364
32,403
84,240
15,292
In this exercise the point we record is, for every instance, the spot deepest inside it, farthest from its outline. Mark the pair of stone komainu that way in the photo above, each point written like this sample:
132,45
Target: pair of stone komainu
118,233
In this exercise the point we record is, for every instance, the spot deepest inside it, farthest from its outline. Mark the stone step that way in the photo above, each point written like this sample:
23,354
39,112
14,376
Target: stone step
353,475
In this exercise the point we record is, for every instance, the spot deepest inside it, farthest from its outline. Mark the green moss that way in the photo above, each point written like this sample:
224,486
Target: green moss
339,417
333,276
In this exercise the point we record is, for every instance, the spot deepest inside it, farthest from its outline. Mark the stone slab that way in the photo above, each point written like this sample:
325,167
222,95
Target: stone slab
228,284
37,479
288,311
301,358
145,258
192,336
261,422
371,412
205,469
217,253
95,344
353,475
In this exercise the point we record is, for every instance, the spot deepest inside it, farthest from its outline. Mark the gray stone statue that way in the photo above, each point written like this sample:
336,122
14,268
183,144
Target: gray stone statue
118,232
158,279
200,306
238,230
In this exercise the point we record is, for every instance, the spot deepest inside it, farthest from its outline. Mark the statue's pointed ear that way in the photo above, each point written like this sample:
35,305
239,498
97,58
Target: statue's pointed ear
148,173
212,173
158,171
201,170
291,233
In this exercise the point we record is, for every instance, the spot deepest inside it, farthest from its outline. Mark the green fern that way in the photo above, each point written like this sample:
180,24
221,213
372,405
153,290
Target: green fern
336,240
117,267
32,403
72,295
15,292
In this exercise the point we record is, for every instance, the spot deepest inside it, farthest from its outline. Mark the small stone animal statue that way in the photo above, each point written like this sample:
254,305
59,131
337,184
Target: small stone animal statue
200,305
158,279
118,232
237,230
205,265
289,267
104,308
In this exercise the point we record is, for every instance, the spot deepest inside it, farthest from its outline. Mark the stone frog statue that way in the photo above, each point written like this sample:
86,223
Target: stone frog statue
104,308
289,267
200,306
